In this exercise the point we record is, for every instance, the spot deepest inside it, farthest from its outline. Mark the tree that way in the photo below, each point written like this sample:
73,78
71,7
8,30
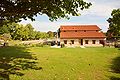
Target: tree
114,24
14,10
38,35
4,29
50,34
30,31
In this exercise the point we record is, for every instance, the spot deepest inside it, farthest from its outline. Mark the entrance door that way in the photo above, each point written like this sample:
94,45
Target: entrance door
81,41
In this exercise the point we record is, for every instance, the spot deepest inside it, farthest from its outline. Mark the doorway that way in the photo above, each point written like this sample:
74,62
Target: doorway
81,41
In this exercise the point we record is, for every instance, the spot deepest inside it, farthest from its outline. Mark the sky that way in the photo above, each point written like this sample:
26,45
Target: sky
97,14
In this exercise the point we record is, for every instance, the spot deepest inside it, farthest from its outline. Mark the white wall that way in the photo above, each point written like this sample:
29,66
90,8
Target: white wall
90,42
76,42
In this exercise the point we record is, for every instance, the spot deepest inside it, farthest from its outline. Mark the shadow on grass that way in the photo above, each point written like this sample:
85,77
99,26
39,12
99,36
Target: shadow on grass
115,67
14,59
114,78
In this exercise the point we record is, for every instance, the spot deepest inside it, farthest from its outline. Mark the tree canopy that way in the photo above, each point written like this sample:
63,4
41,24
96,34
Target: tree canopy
114,24
14,10
23,32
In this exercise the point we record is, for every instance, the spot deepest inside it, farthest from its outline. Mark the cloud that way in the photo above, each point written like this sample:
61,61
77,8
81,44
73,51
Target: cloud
54,26
97,14
101,8
47,26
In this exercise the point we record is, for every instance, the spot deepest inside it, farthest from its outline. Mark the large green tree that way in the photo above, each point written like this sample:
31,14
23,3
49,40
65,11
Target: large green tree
30,30
23,32
14,10
114,24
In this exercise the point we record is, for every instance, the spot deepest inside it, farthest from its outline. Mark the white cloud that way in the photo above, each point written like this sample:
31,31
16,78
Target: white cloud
100,9
54,26
46,26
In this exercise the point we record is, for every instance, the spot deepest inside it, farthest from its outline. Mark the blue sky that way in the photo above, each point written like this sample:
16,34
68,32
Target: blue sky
97,14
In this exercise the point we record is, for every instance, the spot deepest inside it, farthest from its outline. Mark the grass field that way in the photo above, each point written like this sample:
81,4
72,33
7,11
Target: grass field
37,63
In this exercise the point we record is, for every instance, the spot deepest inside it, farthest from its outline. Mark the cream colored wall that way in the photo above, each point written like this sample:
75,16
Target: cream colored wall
90,42
77,44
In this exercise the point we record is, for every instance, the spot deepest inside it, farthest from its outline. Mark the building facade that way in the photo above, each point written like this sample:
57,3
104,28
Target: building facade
81,35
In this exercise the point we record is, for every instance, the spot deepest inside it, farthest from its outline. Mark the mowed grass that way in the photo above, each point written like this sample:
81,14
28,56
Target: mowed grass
69,64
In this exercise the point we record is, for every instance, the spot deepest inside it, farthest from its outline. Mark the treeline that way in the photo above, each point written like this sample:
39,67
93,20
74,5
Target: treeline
20,32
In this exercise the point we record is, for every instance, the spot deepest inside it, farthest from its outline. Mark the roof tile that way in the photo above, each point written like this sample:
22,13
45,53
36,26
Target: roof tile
82,35
79,27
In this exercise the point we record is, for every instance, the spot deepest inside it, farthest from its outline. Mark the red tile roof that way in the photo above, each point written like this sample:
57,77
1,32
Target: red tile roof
79,27
74,35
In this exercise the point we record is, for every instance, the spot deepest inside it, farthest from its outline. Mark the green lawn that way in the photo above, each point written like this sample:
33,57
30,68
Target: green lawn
37,63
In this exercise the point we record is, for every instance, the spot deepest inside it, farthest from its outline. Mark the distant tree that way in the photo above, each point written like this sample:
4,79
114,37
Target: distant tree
24,32
44,35
31,32
38,35
14,10
41,35
114,24
50,34
55,34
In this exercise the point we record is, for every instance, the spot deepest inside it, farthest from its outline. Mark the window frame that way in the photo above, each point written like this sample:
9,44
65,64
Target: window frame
86,41
72,41
65,41
93,41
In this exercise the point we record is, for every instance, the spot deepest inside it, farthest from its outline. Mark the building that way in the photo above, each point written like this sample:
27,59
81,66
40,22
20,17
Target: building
81,35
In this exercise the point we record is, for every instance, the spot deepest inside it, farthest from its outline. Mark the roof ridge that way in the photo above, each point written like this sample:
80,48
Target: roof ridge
78,25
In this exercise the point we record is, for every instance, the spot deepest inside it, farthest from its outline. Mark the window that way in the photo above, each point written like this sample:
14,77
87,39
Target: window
65,41
93,41
86,41
75,30
64,31
72,41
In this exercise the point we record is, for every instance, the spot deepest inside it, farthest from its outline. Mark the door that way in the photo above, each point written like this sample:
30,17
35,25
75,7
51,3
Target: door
81,41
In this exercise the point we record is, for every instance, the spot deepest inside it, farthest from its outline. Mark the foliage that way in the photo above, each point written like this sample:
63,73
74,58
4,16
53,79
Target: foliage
42,35
14,10
114,24
4,29
21,32
50,34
